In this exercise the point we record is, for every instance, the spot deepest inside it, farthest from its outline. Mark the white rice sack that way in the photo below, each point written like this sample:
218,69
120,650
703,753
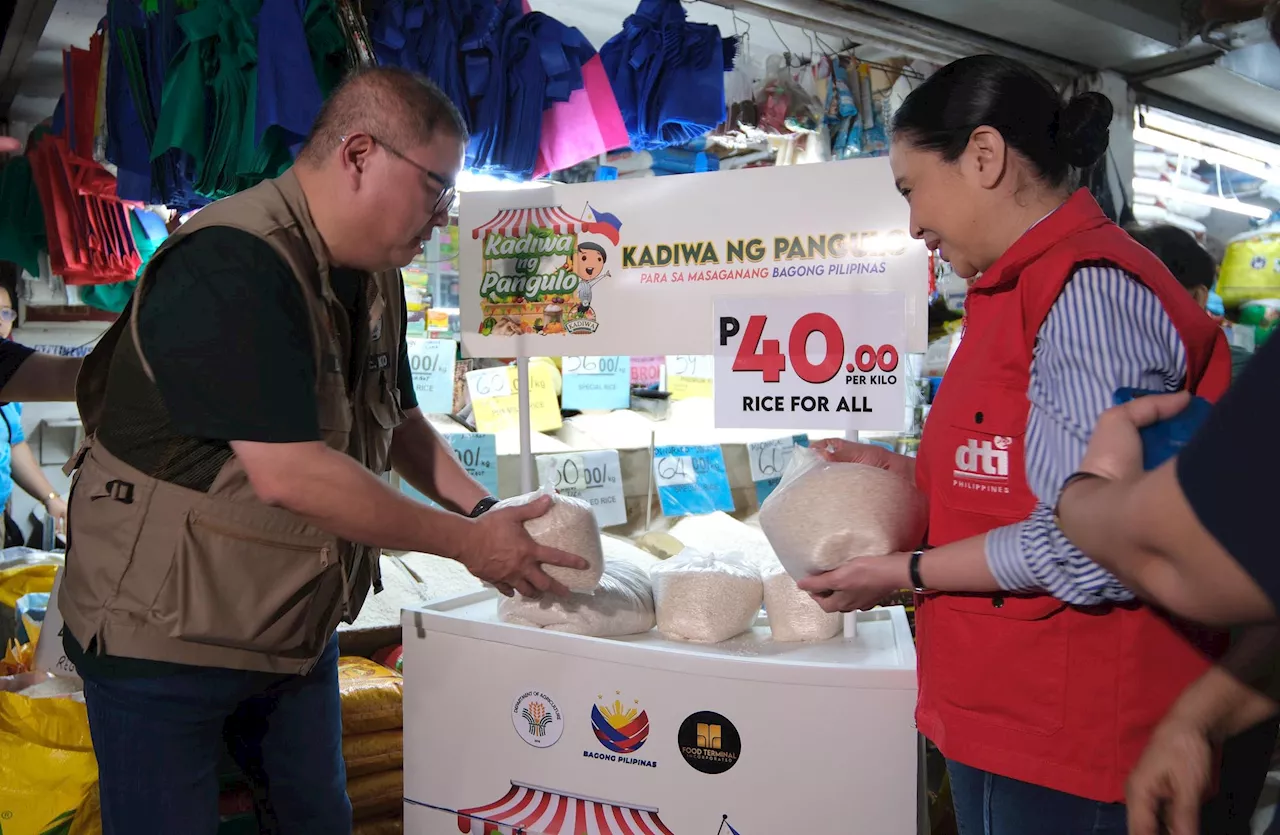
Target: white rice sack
569,526
621,605
706,599
616,548
720,533
822,514
793,614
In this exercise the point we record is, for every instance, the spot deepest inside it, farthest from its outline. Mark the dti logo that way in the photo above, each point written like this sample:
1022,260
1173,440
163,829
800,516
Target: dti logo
620,728
983,459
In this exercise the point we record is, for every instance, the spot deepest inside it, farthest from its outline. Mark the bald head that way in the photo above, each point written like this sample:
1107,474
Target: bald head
398,107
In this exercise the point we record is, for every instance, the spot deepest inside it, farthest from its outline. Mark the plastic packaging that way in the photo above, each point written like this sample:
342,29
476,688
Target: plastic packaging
706,598
569,526
621,605
373,753
376,795
793,614
372,696
824,514
48,769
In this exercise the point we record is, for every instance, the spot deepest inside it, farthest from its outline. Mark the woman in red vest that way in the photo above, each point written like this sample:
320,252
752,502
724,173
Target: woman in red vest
1040,679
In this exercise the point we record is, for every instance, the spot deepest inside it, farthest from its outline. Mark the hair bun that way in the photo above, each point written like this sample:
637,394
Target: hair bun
1084,128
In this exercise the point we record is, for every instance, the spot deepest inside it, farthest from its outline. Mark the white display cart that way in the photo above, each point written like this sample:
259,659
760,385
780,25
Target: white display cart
522,731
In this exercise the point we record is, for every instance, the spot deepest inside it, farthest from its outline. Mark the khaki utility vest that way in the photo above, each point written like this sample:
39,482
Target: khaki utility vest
220,579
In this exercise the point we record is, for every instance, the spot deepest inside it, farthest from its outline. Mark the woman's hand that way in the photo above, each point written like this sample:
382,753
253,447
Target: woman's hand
849,452
57,507
860,584
1168,784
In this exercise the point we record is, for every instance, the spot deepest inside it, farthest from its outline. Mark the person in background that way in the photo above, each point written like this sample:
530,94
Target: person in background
229,509
1041,703
1192,265
1246,757
18,463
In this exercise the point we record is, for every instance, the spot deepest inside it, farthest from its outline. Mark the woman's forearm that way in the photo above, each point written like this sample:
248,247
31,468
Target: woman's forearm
27,473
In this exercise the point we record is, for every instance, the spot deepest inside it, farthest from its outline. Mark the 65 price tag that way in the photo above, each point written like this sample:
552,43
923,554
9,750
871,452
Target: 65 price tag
821,362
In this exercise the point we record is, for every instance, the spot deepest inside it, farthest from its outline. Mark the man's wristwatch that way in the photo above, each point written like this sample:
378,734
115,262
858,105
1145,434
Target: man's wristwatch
914,567
52,495
482,506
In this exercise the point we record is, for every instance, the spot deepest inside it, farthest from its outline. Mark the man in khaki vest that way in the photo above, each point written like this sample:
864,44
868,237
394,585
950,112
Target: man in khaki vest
240,414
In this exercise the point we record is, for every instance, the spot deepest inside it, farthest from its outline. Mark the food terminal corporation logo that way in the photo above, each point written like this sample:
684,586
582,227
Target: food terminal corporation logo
537,719
621,728
709,742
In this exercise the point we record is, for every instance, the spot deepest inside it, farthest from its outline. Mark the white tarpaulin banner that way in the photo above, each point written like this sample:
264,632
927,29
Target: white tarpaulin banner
633,267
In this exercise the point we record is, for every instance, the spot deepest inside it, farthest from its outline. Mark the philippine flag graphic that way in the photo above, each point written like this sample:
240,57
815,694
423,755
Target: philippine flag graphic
603,223
621,729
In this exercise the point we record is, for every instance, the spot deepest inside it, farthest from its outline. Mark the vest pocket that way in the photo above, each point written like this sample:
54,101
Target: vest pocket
244,589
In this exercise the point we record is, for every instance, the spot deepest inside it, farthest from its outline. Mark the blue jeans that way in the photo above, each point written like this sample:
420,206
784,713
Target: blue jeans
159,740
988,804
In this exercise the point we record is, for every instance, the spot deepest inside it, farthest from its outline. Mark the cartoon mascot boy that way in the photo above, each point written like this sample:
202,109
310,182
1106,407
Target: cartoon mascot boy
588,265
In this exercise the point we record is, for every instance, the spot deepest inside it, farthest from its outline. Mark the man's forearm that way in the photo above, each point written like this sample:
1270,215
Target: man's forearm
43,377
1145,532
424,458
1221,705
336,494
27,473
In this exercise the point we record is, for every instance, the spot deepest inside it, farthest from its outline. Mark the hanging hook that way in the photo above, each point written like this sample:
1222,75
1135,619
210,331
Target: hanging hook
825,45
781,41
745,37
813,49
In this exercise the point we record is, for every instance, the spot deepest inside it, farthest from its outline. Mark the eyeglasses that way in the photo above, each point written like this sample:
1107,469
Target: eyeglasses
8,314
448,192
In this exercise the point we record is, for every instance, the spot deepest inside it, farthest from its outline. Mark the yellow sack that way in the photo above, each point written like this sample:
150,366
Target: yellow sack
372,696
1250,268
47,769
371,753
25,579
393,825
374,795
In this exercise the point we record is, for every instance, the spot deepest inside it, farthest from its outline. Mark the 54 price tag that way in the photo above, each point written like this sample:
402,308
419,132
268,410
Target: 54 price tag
824,362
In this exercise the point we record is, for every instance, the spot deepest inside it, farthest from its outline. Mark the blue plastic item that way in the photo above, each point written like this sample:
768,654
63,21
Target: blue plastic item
1162,441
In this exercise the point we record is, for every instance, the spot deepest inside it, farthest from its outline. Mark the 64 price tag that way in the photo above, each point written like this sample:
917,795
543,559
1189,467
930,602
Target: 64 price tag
821,362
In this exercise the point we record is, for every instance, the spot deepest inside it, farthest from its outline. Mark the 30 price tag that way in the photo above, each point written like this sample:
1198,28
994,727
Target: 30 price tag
646,371
495,397
689,376
768,460
478,454
692,480
595,477
596,382
825,362
432,362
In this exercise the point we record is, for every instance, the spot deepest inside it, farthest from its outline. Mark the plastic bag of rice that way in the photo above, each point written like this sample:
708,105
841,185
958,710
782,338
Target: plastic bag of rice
793,614
706,598
621,605
569,526
823,514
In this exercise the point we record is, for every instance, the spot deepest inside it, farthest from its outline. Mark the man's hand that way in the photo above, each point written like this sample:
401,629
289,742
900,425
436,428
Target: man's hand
1168,784
848,452
1115,449
504,554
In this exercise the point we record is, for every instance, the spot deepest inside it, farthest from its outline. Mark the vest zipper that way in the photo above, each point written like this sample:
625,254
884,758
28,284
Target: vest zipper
322,550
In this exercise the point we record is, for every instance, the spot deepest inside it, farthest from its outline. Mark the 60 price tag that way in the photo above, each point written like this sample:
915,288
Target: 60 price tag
595,477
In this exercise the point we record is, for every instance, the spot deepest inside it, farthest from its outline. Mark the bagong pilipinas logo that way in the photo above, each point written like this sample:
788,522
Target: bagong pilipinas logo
537,719
620,728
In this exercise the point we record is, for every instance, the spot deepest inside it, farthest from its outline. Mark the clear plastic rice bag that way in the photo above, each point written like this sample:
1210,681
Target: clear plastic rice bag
569,526
706,598
621,605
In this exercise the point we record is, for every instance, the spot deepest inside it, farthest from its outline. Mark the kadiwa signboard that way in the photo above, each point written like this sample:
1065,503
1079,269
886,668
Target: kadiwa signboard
633,267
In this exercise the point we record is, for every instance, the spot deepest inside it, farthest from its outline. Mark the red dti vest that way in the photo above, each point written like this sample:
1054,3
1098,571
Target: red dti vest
1026,686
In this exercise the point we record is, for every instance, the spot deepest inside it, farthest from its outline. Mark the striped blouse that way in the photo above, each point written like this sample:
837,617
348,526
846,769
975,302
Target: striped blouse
1105,332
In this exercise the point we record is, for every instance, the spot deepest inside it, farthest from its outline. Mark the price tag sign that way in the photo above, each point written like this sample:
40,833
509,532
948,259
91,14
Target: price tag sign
432,362
646,371
494,394
822,362
478,454
595,477
768,460
596,382
692,480
689,376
